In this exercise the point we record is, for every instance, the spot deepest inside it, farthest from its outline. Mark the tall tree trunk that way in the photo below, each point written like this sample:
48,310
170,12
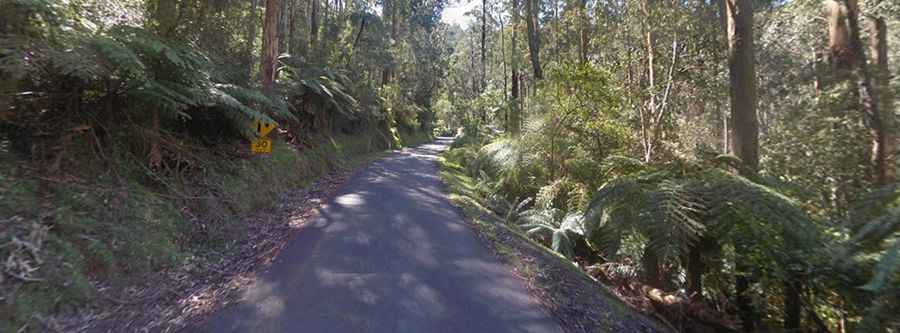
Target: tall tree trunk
650,265
282,30
792,291
868,98
723,18
745,140
878,46
252,21
503,59
201,15
313,25
166,16
847,58
534,41
646,117
514,108
723,113
293,48
387,15
483,39
12,21
362,26
270,45
395,25
556,31
582,31
695,272
842,58
742,74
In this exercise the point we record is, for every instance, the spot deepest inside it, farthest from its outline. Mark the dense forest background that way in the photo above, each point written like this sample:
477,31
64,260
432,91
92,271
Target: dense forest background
125,127
732,162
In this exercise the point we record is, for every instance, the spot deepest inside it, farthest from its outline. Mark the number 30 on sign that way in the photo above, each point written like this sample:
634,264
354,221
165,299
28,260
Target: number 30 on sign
261,146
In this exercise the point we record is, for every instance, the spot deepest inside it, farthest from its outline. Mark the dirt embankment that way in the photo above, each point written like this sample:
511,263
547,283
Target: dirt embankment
178,298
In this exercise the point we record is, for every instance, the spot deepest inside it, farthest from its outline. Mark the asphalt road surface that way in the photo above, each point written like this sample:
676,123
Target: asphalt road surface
387,254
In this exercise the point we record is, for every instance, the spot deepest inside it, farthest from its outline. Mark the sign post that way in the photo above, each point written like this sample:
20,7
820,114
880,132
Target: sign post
262,144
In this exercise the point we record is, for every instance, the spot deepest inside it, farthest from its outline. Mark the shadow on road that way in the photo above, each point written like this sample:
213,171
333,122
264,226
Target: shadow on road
387,254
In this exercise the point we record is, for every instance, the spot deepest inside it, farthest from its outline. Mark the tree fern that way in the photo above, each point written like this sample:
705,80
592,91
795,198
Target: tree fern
676,204
675,210
516,208
326,87
875,249
128,53
554,227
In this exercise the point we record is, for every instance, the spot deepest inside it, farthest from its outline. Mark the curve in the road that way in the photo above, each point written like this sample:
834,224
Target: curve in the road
388,253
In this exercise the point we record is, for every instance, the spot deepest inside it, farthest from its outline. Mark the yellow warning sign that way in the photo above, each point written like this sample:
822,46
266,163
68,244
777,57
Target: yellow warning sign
263,128
261,146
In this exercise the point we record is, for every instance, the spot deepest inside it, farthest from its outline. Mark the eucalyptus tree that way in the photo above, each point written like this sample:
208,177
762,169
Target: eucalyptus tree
515,109
270,44
745,128
532,24
850,66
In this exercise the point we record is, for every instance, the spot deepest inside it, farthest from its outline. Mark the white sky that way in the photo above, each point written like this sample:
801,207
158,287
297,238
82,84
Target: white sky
455,13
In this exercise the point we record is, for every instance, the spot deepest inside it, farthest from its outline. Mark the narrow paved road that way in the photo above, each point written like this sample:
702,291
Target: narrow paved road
387,254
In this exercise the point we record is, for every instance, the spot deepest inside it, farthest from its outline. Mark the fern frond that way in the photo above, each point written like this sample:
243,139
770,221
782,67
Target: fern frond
622,164
673,223
122,60
676,204
276,106
563,244
887,268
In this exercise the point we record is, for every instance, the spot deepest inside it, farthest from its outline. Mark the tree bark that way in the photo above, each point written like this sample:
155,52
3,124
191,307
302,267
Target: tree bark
387,15
847,57
742,74
270,45
723,18
650,265
745,140
166,16
362,26
842,58
282,25
695,272
868,98
200,23
293,48
252,21
483,39
12,21
582,31
313,25
514,111
534,41
878,46
792,310
646,120
503,59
